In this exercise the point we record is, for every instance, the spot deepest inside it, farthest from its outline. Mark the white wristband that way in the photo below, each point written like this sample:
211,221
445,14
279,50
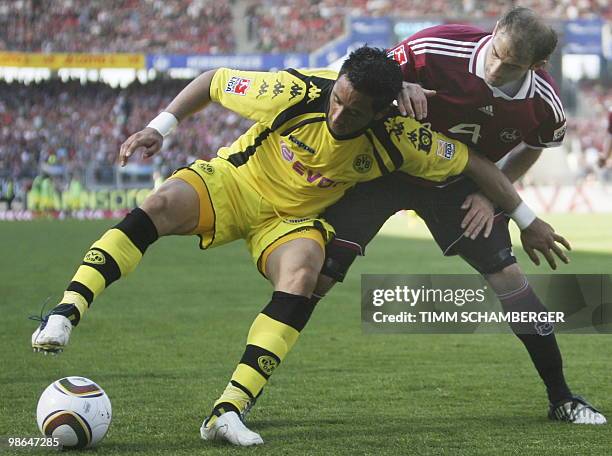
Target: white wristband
164,123
523,216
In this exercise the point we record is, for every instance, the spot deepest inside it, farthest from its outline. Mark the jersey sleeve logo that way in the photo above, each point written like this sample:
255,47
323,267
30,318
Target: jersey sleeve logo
278,88
446,149
263,89
399,54
559,133
313,92
238,85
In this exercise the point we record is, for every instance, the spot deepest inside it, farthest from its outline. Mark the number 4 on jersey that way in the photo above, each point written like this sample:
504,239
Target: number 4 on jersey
468,129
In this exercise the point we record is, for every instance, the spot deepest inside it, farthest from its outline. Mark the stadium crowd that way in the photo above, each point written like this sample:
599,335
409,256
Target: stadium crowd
165,26
204,26
60,129
586,138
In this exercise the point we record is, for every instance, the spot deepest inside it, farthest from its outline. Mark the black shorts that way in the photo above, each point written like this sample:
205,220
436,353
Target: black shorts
360,214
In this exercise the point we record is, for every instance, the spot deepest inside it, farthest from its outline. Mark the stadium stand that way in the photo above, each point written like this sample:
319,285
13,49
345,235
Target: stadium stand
199,26
168,26
66,129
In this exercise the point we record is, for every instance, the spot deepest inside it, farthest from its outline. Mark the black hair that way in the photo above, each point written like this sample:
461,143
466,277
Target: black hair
531,38
375,74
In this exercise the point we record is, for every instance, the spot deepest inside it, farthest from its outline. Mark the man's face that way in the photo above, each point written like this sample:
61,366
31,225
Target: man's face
502,63
349,110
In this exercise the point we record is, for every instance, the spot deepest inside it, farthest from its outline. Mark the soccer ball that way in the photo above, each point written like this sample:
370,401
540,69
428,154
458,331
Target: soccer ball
74,410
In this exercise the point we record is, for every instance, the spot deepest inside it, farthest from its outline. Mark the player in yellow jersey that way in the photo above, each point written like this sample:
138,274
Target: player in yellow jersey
316,134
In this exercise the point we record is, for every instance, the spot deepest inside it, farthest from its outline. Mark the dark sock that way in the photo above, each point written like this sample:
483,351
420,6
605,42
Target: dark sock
539,341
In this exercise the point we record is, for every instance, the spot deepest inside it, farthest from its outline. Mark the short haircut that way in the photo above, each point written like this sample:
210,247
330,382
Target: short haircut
373,73
531,38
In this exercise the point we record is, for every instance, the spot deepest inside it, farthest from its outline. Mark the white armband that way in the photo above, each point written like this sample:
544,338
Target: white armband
523,216
164,123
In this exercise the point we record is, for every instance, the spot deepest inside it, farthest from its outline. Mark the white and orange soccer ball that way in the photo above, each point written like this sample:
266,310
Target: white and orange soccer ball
74,410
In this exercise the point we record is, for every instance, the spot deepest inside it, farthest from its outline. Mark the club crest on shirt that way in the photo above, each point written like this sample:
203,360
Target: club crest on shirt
206,167
237,85
510,135
362,163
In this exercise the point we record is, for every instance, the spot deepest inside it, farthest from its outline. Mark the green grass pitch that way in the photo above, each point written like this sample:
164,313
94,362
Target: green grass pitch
164,341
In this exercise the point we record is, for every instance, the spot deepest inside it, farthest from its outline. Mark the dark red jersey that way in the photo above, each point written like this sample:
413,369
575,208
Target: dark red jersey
450,60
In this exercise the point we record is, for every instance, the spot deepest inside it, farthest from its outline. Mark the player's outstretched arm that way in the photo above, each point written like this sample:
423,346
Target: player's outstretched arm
535,233
190,100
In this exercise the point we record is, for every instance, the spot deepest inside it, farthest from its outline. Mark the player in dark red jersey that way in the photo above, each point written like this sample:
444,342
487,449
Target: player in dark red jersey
490,91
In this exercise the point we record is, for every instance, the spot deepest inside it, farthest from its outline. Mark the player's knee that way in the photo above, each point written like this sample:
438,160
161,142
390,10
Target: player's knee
507,279
156,206
299,279
304,280
173,208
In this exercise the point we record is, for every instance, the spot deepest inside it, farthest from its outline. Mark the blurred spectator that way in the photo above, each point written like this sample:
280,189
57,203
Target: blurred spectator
587,131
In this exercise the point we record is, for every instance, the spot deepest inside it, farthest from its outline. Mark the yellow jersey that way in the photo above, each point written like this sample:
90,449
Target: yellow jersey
290,157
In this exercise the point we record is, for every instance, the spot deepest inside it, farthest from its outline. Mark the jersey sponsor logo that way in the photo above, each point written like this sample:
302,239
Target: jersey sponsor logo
301,145
362,163
313,92
510,135
399,54
421,139
488,110
238,85
559,133
206,167
446,149
286,153
94,257
298,167
267,364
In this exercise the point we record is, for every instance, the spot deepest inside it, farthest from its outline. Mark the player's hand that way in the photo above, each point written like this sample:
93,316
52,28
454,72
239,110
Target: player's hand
148,139
541,236
480,215
412,100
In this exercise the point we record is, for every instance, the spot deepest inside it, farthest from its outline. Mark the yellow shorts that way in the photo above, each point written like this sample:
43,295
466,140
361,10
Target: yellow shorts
230,209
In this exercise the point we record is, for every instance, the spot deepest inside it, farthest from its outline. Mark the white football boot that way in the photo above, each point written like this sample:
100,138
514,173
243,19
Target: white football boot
52,335
577,411
229,427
